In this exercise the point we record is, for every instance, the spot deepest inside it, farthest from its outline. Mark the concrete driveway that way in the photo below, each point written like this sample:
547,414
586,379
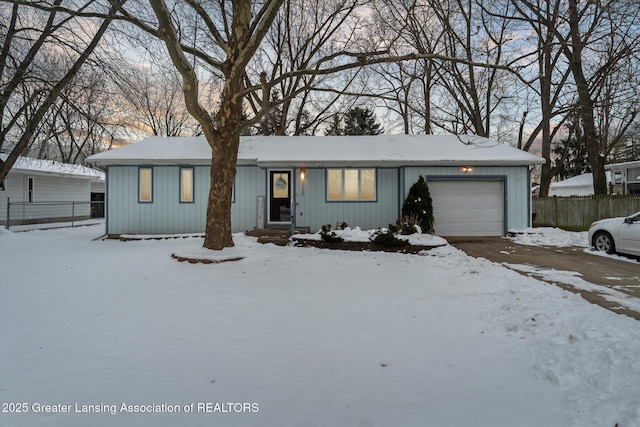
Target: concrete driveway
621,275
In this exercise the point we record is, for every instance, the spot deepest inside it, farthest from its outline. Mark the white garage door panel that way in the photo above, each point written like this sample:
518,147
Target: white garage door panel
468,208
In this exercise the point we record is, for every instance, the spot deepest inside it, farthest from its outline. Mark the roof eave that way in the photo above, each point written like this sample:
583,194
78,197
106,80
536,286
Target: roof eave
320,163
396,163
51,173
158,162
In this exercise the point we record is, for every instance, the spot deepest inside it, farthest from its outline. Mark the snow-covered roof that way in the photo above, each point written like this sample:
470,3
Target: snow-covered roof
584,180
28,164
325,150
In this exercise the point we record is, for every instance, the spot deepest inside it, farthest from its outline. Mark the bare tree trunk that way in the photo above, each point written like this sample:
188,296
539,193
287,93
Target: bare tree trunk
223,136
545,39
585,101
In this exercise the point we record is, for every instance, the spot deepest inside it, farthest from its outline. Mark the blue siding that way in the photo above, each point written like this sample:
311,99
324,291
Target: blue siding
313,210
248,186
165,215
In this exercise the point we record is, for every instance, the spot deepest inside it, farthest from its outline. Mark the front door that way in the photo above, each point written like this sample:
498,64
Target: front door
279,197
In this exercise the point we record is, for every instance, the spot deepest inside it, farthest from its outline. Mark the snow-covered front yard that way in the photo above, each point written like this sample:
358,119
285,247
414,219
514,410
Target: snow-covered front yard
119,334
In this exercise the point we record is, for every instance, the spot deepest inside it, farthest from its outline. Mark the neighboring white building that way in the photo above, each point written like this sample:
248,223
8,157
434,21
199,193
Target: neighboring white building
622,178
41,191
627,177
581,185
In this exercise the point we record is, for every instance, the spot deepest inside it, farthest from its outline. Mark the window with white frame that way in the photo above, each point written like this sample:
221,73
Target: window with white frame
351,184
145,185
186,185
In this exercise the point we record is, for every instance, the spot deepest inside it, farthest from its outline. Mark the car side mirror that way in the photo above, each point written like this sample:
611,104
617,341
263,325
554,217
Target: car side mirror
629,221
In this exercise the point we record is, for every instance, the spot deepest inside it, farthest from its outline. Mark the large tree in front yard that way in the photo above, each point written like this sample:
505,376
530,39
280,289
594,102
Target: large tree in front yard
236,30
233,32
238,40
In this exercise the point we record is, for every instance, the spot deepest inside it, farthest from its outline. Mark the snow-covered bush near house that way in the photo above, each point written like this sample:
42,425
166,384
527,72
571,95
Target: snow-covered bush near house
356,234
305,336
386,238
328,235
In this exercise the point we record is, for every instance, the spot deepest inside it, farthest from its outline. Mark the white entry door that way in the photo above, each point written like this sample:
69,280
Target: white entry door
468,208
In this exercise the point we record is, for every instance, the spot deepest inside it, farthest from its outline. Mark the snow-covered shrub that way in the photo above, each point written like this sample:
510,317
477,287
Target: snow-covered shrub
407,225
386,237
329,235
418,204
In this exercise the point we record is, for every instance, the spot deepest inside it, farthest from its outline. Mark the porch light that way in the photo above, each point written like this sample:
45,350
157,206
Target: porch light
467,169
302,172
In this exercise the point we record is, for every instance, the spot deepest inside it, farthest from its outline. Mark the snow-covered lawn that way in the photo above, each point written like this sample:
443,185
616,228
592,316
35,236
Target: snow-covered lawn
298,337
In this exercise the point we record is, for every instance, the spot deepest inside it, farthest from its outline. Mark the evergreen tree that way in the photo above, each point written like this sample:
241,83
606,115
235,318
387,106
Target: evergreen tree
361,121
271,123
570,155
303,124
419,205
335,129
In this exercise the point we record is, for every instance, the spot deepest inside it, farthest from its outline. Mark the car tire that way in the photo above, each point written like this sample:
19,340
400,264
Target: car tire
603,241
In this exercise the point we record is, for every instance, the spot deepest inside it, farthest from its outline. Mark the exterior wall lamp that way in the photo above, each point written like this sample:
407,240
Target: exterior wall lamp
467,169
302,177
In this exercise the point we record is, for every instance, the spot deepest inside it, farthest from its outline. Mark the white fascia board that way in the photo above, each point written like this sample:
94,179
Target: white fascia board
393,163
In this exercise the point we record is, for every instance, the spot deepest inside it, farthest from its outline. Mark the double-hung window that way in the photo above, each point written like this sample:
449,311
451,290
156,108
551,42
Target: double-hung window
351,184
145,185
186,185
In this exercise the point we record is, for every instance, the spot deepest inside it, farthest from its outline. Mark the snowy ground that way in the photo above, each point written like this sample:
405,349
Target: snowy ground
555,237
304,337
550,236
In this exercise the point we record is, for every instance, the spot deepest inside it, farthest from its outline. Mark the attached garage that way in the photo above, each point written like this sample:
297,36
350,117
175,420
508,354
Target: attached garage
468,208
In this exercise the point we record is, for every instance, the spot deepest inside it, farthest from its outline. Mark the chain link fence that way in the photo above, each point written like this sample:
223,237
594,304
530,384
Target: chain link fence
20,213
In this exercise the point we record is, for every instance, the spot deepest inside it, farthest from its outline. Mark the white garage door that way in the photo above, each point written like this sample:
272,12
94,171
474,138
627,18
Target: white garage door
467,208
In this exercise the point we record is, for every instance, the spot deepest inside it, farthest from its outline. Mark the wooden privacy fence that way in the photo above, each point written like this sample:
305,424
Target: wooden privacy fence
577,213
